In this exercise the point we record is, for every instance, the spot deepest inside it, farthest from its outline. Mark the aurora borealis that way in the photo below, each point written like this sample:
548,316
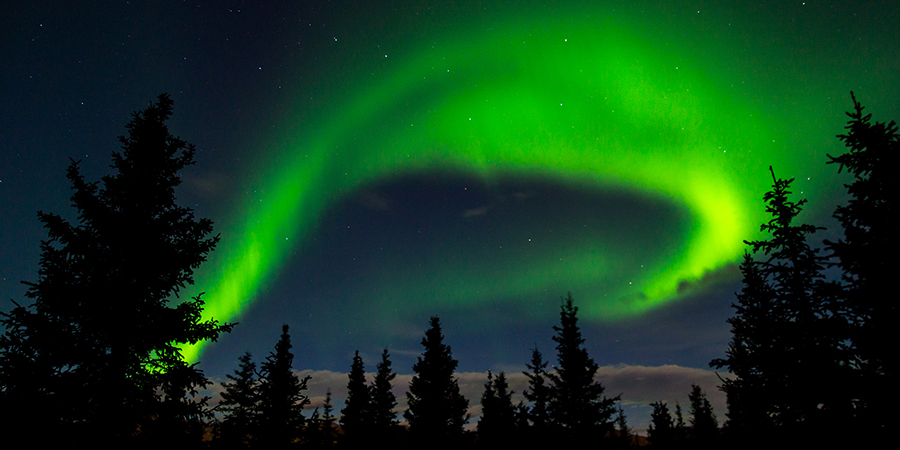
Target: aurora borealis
576,106
368,166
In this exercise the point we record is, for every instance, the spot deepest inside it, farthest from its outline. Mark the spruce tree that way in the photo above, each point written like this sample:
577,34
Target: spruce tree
498,417
577,404
383,401
661,430
437,411
753,348
680,431
239,405
327,426
784,341
866,256
623,432
281,397
505,411
320,427
794,270
355,416
704,425
488,398
538,392
96,355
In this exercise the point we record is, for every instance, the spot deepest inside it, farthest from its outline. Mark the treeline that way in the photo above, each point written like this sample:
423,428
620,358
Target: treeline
565,406
668,431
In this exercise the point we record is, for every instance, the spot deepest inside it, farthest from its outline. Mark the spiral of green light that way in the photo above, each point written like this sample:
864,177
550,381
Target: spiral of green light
577,100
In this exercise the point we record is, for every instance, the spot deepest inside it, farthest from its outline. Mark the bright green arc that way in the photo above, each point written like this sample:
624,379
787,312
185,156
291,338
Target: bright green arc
582,102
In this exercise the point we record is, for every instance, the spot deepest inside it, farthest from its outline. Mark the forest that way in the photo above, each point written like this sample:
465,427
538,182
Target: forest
94,355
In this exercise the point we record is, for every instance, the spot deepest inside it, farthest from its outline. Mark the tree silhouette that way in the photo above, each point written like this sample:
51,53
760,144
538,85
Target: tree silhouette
355,417
680,429
437,411
577,402
753,348
97,353
498,418
704,425
786,336
281,398
661,430
327,425
382,416
320,428
522,424
240,403
866,256
623,432
538,393
488,397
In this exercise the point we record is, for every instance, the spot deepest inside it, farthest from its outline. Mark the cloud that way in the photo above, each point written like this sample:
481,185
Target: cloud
646,384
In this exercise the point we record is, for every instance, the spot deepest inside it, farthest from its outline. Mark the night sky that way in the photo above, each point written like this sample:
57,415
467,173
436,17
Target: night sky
371,164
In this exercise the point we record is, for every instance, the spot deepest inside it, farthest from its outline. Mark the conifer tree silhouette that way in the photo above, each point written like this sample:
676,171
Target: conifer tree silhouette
784,339
538,393
487,399
281,397
327,426
661,430
97,353
704,426
240,405
319,433
752,349
577,403
382,416
867,258
437,410
680,428
498,418
623,432
355,417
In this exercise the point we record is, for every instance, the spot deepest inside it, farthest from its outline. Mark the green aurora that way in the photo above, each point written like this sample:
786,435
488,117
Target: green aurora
583,101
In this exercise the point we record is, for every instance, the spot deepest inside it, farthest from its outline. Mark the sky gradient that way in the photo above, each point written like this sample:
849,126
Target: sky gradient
368,166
